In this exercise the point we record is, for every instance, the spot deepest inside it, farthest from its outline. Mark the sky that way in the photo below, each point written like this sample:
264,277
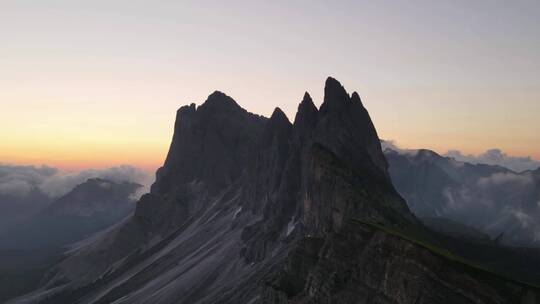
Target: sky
92,84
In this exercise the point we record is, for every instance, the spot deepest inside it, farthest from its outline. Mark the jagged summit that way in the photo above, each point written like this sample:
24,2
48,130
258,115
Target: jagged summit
355,98
276,130
306,105
253,210
278,115
220,101
307,97
335,96
332,85
306,116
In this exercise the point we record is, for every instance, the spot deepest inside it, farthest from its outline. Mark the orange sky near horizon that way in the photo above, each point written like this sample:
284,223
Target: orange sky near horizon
97,83
94,139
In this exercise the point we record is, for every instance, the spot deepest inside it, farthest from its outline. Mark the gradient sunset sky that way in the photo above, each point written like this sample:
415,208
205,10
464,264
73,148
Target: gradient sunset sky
97,83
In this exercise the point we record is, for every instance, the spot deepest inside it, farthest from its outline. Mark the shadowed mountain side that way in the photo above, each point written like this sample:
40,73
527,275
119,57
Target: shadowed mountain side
30,247
254,210
89,207
492,199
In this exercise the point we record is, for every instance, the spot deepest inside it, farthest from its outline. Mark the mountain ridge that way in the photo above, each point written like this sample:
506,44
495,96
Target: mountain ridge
248,209
490,198
89,207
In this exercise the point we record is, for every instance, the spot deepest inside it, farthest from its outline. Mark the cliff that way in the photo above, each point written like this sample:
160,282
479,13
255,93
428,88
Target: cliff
249,209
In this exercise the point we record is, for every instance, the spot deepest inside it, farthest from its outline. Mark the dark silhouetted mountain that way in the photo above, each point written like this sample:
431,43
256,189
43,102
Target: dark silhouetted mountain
488,198
254,210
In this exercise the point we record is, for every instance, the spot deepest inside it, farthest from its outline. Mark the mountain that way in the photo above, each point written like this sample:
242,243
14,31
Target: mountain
19,208
29,247
20,194
248,209
492,199
89,207
455,229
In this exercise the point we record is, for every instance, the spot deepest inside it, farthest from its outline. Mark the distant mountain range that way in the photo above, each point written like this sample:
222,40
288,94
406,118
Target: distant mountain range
493,199
30,244
248,209
89,207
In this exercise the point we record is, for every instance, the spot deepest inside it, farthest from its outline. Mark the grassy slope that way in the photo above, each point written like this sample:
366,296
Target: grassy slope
444,247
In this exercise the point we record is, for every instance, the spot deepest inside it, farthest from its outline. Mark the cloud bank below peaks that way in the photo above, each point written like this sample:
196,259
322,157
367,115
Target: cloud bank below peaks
497,157
20,181
494,157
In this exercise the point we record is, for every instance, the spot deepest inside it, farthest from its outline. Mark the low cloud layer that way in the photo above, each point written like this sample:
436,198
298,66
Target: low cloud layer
501,202
20,181
494,200
497,157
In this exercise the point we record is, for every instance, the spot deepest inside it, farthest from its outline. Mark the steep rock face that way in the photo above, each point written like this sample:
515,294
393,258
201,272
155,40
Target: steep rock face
344,159
345,127
254,210
266,170
334,155
209,151
210,144
363,265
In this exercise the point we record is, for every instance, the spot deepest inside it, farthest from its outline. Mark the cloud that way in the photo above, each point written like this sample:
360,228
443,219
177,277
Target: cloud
497,157
506,179
500,202
61,183
490,157
493,201
15,188
19,181
524,219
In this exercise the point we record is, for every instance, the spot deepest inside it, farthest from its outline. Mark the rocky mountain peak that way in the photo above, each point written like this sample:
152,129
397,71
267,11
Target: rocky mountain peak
355,98
428,156
307,111
94,195
335,96
306,117
277,128
254,210
307,98
279,117
101,185
183,110
221,102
